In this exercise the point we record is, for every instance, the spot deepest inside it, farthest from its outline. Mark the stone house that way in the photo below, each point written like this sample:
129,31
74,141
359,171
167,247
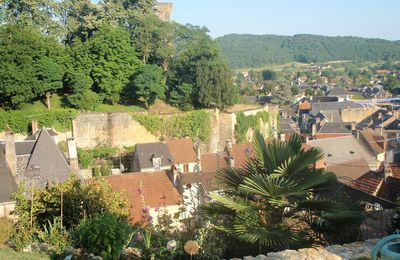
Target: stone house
152,157
184,157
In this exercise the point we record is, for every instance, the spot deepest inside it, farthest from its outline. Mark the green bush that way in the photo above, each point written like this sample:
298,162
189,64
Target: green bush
6,229
54,234
87,156
19,120
104,235
244,123
194,124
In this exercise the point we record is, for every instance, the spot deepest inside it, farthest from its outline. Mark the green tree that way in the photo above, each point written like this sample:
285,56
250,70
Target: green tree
182,97
277,200
282,96
85,100
269,75
30,65
148,83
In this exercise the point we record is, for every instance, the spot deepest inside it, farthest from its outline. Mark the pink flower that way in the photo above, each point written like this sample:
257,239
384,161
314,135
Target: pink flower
156,209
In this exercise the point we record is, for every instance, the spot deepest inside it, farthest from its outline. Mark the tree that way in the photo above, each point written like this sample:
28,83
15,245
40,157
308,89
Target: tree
295,90
282,95
269,75
278,200
182,97
85,100
41,14
30,65
148,83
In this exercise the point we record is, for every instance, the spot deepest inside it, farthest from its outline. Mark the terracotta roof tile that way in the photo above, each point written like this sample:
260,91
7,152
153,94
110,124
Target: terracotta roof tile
206,179
369,182
182,150
157,187
241,153
305,105
214,161
390,189
350,170
395,170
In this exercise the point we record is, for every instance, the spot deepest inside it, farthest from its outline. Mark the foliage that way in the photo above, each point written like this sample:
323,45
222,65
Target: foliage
282,96
20,120
79,200
182,96
29,66
87,156
269,75
54,234
148,83
85,100
6,229
244,123
103,234
246,51
194,124
278,201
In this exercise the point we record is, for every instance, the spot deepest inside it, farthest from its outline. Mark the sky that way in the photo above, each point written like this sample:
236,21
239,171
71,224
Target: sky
365,18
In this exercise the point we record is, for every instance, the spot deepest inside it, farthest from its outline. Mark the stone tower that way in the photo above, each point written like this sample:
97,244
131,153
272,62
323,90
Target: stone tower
163,11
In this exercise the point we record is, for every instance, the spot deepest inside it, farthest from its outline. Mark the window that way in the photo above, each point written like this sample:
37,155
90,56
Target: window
157,163
186,167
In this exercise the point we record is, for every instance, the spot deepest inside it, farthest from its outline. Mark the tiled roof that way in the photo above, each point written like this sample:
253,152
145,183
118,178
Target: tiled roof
206,179
350,170
319,99
374,141
287,125
305,105
157,189
395,171
214,161
369,182
22,147
241,152
182,150
146,152
335,128
326,106
7,181
390,189
337,92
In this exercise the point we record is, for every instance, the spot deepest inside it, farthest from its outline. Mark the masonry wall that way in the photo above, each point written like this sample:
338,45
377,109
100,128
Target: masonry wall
112,129
6,209
356,114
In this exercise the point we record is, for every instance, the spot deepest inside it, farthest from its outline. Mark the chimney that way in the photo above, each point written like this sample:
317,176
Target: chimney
231,162
73,155
282,137
380,115
332,117
229,146
313,129
11,156
34,125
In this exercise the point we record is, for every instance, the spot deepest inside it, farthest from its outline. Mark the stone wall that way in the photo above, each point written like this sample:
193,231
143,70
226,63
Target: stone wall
112,129
357,114
353,251
6,209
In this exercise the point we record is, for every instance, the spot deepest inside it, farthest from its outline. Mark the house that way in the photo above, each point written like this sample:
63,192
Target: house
376,143
287,128
303,106
345,151
332,106
341,93
184,155
150,191
214,161
34,162
333,129
152,157
239,154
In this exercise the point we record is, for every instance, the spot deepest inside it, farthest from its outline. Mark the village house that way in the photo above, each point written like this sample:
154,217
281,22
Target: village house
152,157
184,157
35,161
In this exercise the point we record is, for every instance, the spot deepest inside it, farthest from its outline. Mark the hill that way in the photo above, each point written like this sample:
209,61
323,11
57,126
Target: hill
245,50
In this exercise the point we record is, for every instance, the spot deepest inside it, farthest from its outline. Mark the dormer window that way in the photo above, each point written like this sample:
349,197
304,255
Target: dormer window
157,163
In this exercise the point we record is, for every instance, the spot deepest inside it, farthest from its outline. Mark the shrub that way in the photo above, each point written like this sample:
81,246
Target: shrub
86,100
54,234
244,123
6,229
103,235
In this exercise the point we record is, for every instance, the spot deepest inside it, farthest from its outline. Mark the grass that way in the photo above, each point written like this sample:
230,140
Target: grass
118,108
7,253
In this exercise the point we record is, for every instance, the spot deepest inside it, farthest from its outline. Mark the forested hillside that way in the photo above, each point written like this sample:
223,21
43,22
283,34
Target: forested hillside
258,50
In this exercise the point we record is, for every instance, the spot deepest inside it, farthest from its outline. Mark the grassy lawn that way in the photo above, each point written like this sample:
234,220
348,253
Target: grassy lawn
7,253
118,108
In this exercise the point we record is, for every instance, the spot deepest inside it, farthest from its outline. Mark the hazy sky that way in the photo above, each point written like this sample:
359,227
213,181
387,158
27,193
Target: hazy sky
365,18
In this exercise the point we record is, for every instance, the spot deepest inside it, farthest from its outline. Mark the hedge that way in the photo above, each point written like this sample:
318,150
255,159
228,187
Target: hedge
194,124
20,121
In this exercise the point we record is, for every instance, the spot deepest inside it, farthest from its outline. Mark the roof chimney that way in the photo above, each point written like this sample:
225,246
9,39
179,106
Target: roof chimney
313,129
34,125
73,155
231,162
11,156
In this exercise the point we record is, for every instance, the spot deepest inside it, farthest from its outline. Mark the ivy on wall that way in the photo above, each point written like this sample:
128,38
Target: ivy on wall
244,123
194,124
20,121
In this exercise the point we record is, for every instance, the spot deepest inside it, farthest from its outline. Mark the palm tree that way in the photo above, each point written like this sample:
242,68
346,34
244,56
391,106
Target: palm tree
278,199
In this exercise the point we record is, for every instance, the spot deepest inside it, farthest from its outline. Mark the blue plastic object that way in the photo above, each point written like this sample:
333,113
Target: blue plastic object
388,249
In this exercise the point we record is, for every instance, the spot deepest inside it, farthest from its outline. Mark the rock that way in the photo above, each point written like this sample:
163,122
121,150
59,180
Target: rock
68,257
249,257
97,258
261,257
69,251
27,249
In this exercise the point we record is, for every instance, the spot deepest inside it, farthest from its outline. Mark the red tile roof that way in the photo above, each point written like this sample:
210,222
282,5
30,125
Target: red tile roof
157,190
182,150
395,171
241,153
305,105
206,179
214,161
350,170
390,189
369,182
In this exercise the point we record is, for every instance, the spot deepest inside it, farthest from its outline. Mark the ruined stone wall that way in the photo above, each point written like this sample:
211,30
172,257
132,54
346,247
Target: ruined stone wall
112,129
357,114
163,11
